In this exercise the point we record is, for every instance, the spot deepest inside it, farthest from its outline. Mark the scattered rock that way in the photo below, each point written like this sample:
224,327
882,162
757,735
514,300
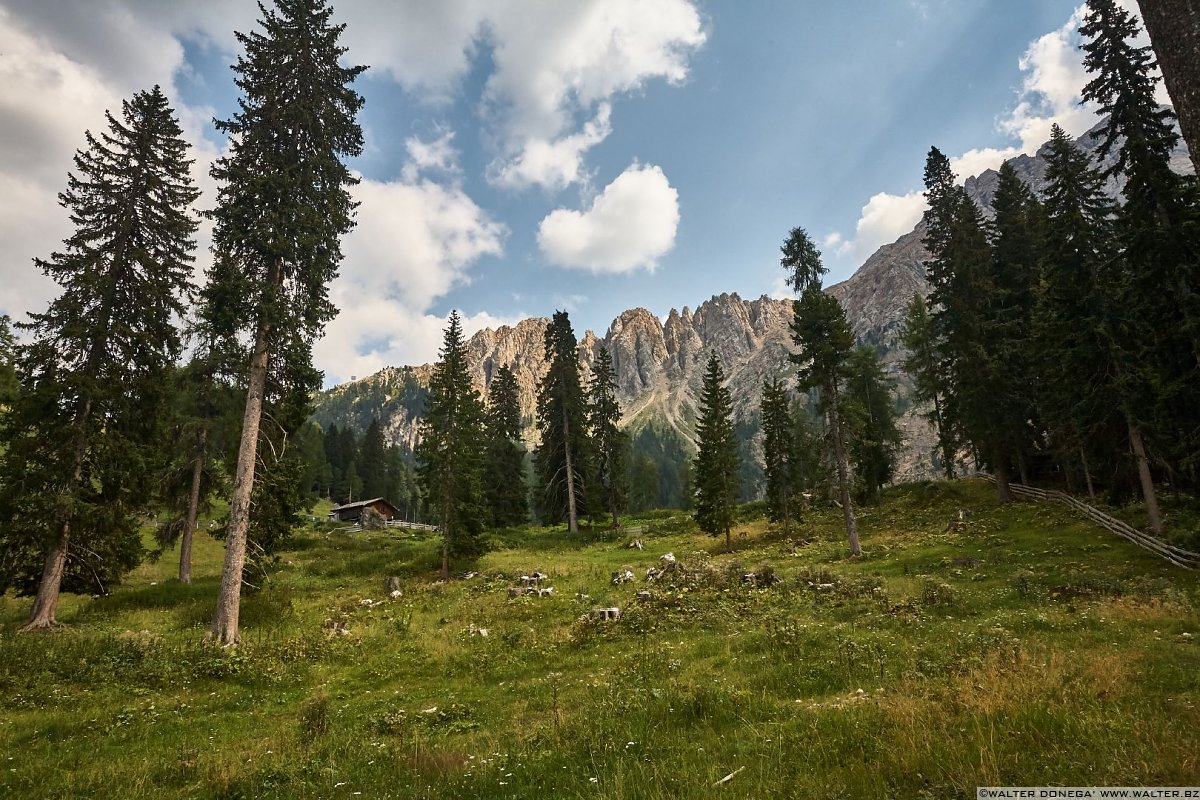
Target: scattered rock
605,614
636,544
623,575
644,596
395,593
668,559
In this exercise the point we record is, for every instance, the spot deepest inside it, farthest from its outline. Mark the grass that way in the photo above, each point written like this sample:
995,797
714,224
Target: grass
1027,648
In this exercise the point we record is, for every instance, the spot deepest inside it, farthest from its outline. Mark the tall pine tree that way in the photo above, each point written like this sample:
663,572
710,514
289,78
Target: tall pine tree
715,468
610,445
79,461
923,363
779,455
450,454
504,480
1077,395
872,435
562,458
1156,263
372,462
821,331
283,205
1016,232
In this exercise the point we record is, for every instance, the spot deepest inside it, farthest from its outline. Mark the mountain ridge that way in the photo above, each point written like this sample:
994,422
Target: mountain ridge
659,361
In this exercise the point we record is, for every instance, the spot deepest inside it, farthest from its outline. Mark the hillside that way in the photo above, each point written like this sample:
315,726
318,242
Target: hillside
1026,648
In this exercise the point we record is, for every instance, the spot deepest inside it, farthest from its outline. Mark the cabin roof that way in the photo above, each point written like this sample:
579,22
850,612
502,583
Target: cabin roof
360,504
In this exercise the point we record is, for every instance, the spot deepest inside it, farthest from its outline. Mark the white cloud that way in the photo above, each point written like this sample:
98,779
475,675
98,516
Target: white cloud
414,243
885,218
558,62
553,164
50,98
372,335
628,226
436,156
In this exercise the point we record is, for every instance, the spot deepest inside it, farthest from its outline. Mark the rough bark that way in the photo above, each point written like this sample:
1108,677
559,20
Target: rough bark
225,620
1174,28
1147,480
572,518
843,470
42,615
189,522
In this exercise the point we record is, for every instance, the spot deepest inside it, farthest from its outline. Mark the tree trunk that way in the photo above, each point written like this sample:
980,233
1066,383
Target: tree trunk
572,517
45,605
1174,28
843,470
616,518
728,541
42,616
947,450
1087,475
1143,467
1003,491
225,620
189,522
1022,468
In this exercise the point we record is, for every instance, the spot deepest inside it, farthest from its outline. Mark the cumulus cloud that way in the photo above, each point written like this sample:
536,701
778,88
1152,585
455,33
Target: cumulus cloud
436,156
628,226
414,243
553,164
557,63
885,218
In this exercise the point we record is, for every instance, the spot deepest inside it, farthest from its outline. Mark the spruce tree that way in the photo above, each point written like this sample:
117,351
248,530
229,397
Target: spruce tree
923,364
504,480
562,458
821,331
872,435
1156,265
1016,232
715,468
283,205
450,453
80,438
779,451
372,462
964,297
1077,394
610,445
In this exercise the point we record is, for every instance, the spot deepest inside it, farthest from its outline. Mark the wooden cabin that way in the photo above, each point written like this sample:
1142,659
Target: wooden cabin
351,512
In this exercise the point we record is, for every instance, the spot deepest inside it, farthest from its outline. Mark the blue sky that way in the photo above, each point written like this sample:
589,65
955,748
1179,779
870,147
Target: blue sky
595,155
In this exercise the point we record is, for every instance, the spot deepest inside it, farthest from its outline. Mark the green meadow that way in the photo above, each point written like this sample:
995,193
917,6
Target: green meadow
1022,645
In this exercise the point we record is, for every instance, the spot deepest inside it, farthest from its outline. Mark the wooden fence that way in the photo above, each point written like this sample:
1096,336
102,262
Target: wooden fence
1176,555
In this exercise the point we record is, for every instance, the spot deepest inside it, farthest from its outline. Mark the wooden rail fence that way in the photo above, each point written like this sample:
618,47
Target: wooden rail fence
1176,555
